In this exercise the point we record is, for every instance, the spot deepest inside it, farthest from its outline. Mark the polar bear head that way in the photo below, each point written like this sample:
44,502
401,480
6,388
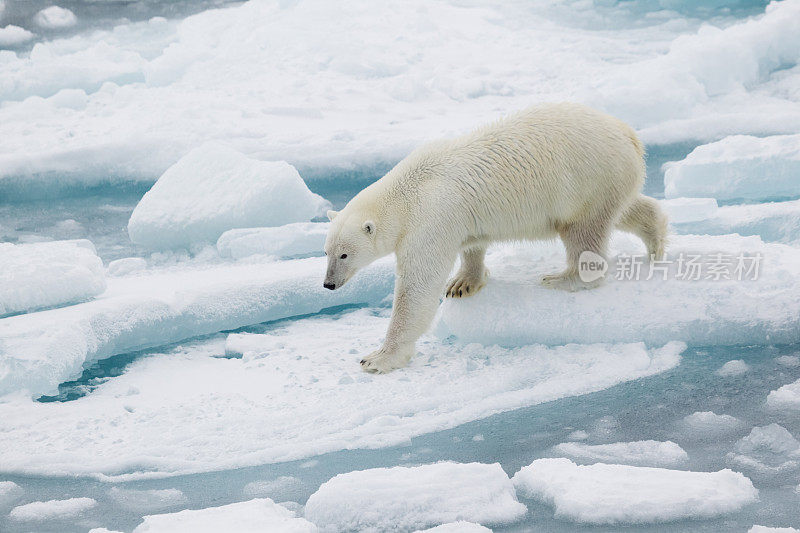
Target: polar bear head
350,246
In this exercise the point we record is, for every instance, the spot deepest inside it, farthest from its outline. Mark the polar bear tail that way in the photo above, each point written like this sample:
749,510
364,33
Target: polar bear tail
645,219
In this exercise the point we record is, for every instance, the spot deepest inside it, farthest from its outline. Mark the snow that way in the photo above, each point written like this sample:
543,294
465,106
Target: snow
733,369
458,527
772,221
361,85
13,35
739,167
681,210
622,494
300,238
147,500
295,397
52,509
254,516
786,397
55,17
641,453
125,266
515,309
765,529
213,189
160,306
407,498
9,491
47,274
708,423
767,451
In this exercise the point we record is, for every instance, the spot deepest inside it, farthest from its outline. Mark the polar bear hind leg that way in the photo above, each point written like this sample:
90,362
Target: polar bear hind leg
645,219
472,275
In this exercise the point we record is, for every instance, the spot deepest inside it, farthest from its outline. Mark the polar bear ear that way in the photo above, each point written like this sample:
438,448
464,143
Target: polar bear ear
332,214
369,227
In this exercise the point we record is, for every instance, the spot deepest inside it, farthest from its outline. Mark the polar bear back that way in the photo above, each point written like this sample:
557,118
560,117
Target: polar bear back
521,177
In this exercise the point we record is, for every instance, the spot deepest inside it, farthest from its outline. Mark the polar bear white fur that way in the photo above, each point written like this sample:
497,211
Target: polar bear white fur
552,170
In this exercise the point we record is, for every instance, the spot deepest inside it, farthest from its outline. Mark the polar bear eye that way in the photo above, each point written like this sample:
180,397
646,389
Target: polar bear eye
343,256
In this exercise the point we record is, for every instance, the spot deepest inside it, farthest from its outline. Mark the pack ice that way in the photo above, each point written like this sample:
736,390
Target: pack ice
620,494
292,395
408,498
517,310
739,167
47,274
290,240
213,189
254,516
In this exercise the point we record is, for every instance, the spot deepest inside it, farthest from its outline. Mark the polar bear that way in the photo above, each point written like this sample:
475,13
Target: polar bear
551,170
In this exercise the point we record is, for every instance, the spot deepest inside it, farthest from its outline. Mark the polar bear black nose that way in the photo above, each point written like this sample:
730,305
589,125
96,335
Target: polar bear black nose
330,286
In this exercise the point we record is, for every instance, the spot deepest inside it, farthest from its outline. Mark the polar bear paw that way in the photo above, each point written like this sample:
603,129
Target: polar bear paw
383,361
568,281
466,284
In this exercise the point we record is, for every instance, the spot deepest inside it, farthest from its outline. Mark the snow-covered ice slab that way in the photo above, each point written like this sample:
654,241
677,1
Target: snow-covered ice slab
254,516
515,309
772,221
786,397
299,394
621,494
681,210
52,509
47,274
739,167
213,189
300,238
408,498
639,453
768,452
40,350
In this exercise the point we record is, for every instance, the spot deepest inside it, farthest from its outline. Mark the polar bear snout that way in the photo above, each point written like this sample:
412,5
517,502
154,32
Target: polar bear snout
328,285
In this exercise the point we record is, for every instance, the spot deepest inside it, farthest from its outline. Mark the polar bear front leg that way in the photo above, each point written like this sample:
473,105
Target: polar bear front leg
472,275
417,288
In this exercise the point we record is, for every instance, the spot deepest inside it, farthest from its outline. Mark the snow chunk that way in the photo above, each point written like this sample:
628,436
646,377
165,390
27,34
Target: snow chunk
40,350
13,35
295,397
739,167
9,491
733,368
457,527
46,274
125,266
213,189
380,499
55,17
681,210
786,397
515,309
147,500
621,494
710,423
52,509
773,221
254,516
642,453
767,451
300,238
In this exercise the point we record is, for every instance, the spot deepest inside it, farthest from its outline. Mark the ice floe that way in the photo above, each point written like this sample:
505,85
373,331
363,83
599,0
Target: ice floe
639,453
767,529
739,167
300,238
55,17
125,266
47,274
515,309
767,452
786,397
682,210
52,509
41,350
407,498
772,221
620,494
9,491
733,368
296,396
707,423
13,35
254,516
457,527
213,189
